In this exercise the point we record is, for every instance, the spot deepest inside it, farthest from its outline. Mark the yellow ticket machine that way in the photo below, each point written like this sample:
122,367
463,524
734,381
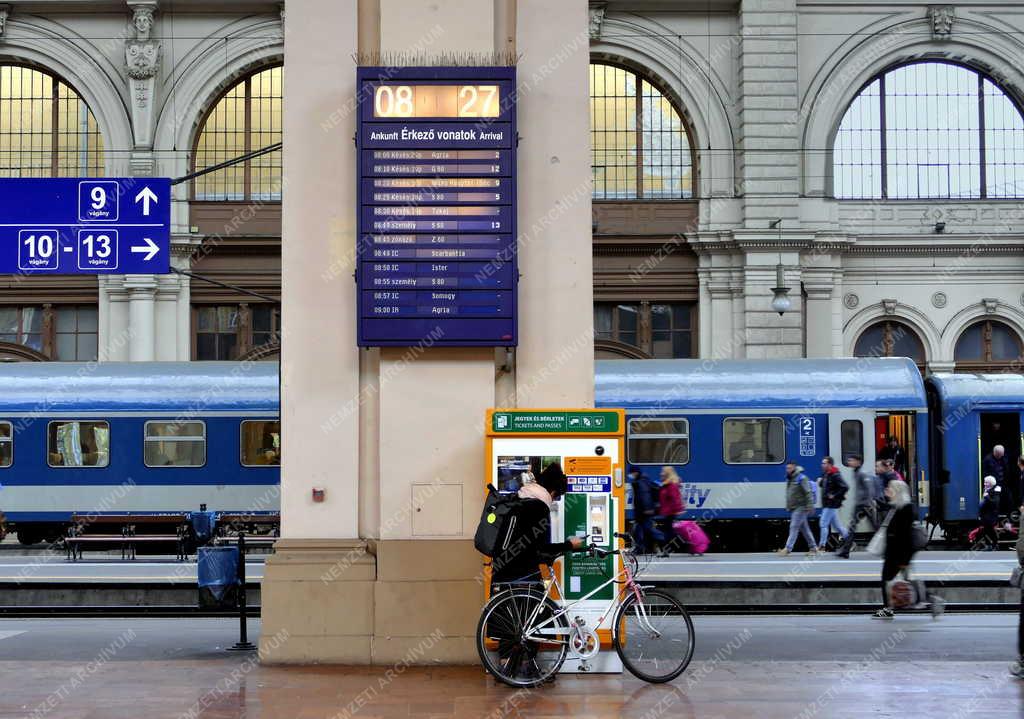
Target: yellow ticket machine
589,444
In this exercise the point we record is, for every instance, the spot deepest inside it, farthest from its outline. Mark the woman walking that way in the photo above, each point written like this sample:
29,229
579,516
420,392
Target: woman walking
899,545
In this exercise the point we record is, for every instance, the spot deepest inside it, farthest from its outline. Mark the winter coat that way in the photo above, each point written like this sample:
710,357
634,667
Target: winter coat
865,488
670,500
799,495
644,502
833,489
988,513
530,545
899,543
992,467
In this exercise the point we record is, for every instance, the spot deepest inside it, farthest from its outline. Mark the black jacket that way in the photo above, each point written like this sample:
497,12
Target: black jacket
989,511
529,545
833,490
992,467
645,501
899,546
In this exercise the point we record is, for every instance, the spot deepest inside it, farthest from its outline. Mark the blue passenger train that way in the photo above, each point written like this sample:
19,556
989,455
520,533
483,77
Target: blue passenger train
136,437
167,437
728,427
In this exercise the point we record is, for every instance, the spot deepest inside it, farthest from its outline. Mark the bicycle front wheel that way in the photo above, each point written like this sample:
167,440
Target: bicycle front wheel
654,636
513,645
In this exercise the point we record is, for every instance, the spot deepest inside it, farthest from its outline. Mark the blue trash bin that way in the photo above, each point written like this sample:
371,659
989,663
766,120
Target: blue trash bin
218,577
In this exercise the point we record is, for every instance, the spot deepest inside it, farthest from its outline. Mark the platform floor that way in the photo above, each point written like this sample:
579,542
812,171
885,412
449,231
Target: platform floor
962,566
792,667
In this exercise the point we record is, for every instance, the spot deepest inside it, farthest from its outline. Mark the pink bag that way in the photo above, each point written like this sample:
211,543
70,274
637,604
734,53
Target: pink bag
692,534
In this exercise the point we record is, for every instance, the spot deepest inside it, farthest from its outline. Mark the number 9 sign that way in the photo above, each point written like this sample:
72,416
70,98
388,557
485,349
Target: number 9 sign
97,200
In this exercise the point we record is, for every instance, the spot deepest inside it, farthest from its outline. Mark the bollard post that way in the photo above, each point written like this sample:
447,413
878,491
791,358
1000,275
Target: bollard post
243,643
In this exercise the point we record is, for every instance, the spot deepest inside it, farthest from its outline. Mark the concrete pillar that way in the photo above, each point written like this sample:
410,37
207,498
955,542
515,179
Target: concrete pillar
555,359
395,436
318,585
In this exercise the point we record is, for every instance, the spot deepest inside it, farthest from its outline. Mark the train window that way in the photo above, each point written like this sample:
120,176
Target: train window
665,440
851,437
78,443
175,444
753,440
261,443
6,444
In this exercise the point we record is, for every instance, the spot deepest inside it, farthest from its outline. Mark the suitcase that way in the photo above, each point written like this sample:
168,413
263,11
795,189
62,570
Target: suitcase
691,533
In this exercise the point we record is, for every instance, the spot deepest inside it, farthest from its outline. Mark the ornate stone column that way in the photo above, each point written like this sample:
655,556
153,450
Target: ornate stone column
142,63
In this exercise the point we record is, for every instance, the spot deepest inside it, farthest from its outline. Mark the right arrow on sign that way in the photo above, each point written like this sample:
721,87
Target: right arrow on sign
146,195
150,248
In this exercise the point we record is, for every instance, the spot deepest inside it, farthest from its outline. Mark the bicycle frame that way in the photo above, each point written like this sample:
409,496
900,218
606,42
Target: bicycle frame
537,633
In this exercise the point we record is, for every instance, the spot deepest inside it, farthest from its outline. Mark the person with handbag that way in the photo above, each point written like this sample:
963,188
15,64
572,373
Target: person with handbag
897,530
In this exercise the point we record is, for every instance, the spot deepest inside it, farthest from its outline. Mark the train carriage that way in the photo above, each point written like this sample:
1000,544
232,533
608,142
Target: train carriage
971,413
728,426
140,437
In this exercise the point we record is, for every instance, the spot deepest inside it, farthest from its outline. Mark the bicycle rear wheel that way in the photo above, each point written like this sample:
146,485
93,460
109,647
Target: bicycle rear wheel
654,636
507,653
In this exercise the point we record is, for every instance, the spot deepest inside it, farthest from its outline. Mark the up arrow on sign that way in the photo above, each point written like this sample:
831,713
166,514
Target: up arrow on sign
150,248
146,195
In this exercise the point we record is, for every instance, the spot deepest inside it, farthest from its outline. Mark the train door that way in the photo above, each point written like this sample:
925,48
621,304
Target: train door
896,439
1001,428
850,433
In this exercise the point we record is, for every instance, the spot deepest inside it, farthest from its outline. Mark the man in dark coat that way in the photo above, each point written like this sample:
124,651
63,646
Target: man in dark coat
645,507
995,465
532,544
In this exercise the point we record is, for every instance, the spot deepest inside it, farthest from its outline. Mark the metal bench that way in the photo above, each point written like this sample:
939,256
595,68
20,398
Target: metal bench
126,536
229,524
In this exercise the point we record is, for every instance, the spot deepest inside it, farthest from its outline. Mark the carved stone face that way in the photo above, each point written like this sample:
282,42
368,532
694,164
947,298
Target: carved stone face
141,59
143,21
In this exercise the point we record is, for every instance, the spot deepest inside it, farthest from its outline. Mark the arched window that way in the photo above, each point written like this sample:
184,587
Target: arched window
640,148
988,344
246,118
46,129
930,130
890,339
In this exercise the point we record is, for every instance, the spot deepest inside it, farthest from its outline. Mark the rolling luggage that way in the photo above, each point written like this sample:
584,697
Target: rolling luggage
691,533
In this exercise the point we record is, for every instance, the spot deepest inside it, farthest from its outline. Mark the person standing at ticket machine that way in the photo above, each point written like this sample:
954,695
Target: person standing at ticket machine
529,542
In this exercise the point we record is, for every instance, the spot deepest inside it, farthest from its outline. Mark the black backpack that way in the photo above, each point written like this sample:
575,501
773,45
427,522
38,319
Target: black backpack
497,522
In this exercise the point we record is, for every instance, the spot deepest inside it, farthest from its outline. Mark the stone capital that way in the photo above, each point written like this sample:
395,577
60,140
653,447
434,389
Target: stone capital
597,11
941,18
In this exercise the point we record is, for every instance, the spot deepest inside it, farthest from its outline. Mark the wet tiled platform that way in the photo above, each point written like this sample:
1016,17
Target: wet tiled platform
786,667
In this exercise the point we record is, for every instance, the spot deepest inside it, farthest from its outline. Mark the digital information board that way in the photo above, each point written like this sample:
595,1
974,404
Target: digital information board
437,206
85,226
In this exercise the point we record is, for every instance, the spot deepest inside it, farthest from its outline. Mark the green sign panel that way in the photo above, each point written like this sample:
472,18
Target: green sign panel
555,422
583,573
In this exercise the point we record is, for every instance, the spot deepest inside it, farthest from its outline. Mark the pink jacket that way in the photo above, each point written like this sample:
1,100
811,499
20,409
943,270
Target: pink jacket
670,500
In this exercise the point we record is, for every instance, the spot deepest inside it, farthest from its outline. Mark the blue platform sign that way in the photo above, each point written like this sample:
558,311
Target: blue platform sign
436,256
85,226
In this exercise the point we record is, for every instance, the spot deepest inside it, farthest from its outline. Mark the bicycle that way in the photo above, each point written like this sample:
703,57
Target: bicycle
524,635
